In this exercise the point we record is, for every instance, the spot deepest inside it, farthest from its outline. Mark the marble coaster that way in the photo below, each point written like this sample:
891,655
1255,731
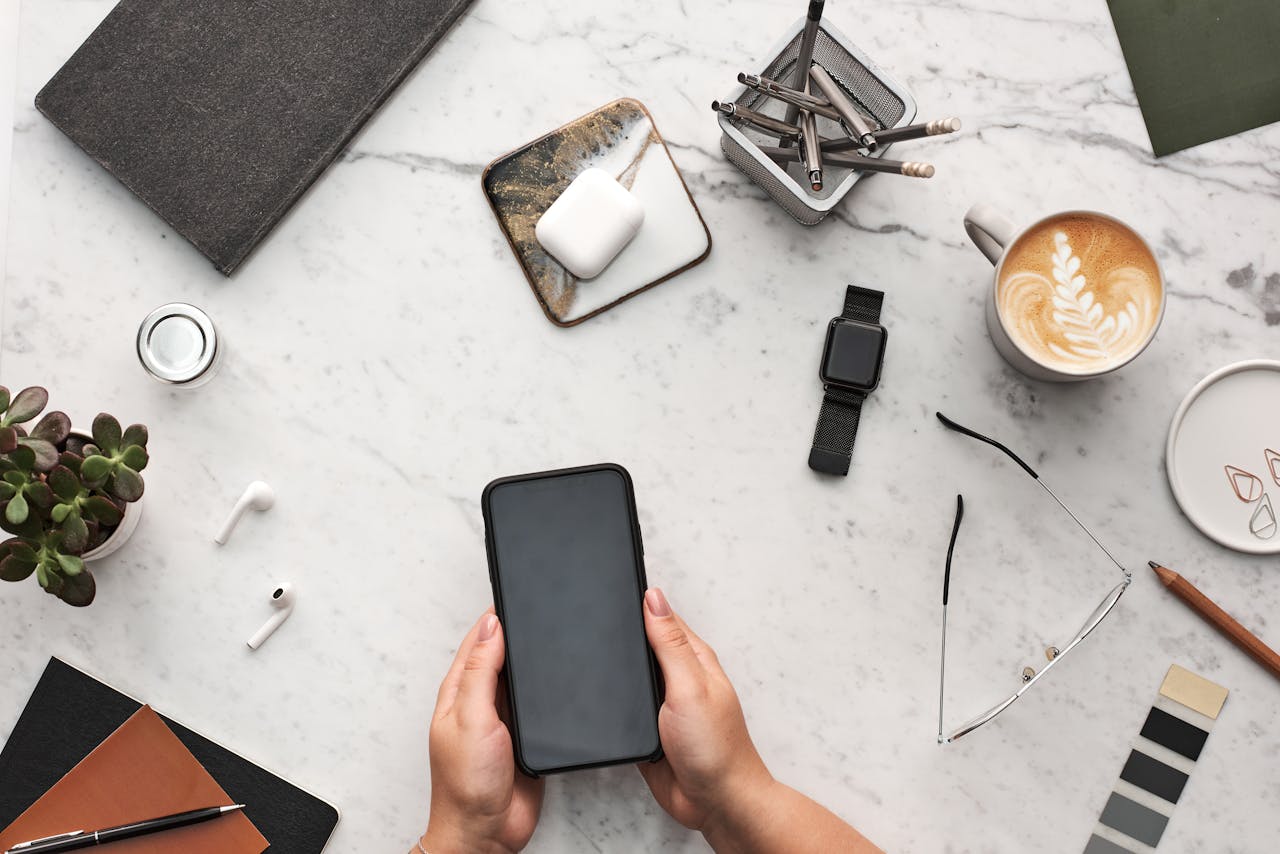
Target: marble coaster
622,139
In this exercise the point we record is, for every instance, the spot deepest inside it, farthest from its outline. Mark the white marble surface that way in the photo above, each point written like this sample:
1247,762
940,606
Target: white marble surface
388,359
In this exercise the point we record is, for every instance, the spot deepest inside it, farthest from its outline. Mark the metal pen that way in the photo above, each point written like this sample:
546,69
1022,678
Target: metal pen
77,839
856,161
805,56
802,100
810,150
759,120
853,120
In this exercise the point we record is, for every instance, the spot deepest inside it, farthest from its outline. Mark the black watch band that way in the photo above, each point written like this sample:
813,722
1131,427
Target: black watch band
841,408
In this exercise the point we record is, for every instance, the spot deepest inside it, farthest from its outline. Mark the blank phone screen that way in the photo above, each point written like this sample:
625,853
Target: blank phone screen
567,575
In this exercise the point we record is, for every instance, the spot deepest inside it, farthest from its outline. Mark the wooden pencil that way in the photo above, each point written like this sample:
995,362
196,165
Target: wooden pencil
1224,622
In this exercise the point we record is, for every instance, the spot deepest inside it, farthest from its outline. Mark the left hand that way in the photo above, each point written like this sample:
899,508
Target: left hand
479,802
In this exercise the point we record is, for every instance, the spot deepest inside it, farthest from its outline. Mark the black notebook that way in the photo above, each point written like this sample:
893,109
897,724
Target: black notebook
220,113
70,713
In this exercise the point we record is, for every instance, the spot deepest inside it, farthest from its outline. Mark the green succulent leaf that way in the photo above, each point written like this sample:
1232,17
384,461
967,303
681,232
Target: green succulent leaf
40,494
16,509
54,427
31,528
23,457
4,398
26,405
106,433
71,565
59,514
102,510
126,484
7,490
135,434
46,454
78,590
135,457
75,533
13,568
8,439
16,479
94,469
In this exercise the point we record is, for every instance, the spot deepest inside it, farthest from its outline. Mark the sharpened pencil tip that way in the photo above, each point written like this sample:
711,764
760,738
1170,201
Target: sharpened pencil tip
1153,564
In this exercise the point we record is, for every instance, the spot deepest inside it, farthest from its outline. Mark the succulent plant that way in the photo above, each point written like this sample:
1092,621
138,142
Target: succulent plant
62,495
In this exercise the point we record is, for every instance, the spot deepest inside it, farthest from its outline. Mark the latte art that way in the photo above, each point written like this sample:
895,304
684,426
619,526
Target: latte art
1079,293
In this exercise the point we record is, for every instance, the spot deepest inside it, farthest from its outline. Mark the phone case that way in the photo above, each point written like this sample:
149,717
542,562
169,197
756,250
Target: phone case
637,539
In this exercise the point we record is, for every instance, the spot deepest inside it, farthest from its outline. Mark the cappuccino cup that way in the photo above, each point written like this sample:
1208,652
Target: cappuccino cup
1075,295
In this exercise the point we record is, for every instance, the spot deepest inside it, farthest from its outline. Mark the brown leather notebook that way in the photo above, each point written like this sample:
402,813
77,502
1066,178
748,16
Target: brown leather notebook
141,771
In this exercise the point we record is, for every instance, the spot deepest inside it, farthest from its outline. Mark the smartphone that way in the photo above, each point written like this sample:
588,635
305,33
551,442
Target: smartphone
567,568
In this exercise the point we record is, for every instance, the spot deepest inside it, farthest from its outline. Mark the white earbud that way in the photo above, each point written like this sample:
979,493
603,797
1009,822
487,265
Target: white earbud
283,599
258,495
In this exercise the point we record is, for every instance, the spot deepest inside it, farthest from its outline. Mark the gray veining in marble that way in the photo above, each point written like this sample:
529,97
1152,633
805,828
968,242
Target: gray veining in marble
387,360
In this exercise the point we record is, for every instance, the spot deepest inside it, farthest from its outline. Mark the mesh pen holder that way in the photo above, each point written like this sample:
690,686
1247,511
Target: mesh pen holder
879,95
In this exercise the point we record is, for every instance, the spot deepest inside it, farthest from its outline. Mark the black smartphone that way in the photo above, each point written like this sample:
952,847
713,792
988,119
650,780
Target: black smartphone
567,568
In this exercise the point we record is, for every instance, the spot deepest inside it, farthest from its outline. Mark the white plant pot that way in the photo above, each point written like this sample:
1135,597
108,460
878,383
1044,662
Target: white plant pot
122,533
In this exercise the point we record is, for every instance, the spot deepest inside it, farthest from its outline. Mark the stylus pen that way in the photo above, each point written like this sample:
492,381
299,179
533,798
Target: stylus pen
86,838
854,121
773,89
856,161
805,56
759,120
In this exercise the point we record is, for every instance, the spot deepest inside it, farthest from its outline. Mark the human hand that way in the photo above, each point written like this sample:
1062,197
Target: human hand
711,768
479,802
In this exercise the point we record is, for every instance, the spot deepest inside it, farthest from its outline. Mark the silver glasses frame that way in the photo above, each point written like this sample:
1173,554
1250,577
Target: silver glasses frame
1029,675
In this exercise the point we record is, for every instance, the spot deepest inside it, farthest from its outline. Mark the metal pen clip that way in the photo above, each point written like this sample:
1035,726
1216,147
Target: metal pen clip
22,846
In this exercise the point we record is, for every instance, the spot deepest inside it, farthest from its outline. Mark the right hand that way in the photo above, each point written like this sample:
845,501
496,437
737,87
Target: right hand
710,766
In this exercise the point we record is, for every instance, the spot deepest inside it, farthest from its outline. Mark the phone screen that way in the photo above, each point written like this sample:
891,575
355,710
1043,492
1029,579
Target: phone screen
569,584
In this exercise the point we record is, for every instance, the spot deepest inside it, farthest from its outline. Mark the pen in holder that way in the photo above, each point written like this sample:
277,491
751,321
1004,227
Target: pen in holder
874,92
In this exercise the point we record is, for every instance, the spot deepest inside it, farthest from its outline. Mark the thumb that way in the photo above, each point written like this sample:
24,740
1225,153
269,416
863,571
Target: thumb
478,688
670,642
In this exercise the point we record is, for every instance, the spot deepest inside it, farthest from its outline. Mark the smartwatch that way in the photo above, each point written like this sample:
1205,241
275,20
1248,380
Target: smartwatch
850,370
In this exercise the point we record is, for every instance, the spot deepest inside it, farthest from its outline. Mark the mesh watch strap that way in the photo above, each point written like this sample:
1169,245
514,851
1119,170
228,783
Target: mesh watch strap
842,408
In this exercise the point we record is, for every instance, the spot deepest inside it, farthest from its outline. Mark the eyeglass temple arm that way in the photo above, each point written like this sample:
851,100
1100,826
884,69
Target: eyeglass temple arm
946,589
959,428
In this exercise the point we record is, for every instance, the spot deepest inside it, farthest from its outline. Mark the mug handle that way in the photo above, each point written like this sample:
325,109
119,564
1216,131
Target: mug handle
989,230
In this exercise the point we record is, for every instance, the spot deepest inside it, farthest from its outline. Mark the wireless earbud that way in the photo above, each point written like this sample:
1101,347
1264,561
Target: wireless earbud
283,599
258,495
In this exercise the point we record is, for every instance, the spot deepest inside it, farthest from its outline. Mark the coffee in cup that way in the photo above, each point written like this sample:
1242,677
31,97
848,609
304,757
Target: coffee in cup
1075,295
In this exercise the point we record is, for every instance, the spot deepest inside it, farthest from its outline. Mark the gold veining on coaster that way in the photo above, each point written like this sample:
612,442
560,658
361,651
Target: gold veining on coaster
522,185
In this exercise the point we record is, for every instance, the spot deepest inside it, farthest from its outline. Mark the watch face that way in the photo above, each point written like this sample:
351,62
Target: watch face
853,354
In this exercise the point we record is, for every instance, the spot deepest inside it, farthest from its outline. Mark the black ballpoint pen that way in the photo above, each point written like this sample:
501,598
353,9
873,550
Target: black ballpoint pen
77,839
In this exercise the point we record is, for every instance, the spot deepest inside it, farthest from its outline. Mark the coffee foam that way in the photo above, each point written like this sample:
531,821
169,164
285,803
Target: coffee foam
1079,293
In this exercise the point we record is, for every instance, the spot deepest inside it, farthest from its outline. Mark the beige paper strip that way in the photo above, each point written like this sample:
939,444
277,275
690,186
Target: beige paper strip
1194,692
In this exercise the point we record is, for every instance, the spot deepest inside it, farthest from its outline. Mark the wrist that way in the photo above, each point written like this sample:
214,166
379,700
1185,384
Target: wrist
746,801
445,836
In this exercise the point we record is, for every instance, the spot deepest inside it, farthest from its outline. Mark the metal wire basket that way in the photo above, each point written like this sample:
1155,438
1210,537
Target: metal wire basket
879,95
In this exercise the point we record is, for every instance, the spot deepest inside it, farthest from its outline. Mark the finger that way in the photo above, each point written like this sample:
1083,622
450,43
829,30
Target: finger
476,703
670,642
659,777
453,678
701,648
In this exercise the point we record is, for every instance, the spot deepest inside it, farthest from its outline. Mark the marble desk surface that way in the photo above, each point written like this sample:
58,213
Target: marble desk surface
387,359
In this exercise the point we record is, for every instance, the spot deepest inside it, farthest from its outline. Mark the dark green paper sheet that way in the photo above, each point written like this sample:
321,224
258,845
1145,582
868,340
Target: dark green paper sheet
1202,69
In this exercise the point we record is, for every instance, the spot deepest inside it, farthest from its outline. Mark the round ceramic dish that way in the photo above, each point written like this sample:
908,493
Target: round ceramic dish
1223,456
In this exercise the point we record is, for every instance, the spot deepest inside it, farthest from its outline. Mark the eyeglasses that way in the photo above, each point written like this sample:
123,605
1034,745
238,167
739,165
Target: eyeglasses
1054,654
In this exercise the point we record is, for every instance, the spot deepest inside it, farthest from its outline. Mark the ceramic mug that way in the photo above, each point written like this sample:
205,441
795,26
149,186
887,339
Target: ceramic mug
995,236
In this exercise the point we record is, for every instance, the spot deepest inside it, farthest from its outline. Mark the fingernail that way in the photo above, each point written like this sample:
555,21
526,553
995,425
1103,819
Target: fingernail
488,625
657,602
